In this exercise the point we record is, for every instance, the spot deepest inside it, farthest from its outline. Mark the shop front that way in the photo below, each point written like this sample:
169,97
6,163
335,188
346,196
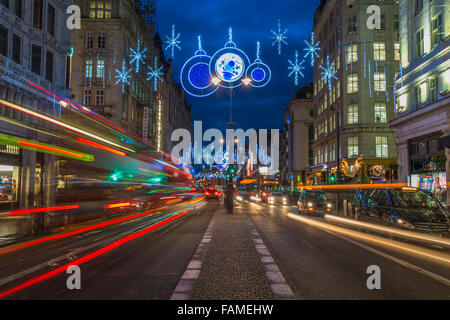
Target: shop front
10,170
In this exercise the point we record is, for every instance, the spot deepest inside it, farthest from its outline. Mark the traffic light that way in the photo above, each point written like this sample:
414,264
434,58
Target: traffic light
332,178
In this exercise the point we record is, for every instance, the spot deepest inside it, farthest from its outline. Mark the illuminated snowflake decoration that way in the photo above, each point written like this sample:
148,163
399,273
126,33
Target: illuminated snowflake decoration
155,74
279,37
311,49
296,68
329,72
137,56
173,42
123,76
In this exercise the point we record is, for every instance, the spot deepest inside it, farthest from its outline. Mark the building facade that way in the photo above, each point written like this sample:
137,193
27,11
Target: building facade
352,112
109,30
34,45
298,138
422,96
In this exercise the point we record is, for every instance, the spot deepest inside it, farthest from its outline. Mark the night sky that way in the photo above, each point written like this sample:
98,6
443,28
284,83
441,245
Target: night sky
251,21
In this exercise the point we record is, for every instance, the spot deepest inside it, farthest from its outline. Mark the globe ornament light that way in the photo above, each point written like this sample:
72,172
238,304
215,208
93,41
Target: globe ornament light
155,74
296,68
229,64
258,72
123,76
195,76
279,37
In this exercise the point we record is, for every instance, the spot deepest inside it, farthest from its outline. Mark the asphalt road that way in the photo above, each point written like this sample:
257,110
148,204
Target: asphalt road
317,264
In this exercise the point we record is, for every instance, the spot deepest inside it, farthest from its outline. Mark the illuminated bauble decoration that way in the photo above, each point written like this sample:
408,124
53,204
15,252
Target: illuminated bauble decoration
229,67
258,72
195,75
229,64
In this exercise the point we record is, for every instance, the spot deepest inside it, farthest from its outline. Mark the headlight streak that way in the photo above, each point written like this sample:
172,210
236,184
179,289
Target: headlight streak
401,233
59,123
375,239
89,256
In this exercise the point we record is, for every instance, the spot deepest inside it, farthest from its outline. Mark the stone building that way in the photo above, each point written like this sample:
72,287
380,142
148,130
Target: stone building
34,45
299,138
109,30
353,111
422,96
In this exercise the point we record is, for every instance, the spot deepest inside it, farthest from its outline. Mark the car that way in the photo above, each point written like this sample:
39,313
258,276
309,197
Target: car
278,198
212,193
407,208
315,201
263,196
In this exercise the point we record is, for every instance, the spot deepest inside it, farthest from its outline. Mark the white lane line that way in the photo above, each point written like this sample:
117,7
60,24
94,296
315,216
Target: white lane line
397,260
185,285
277,282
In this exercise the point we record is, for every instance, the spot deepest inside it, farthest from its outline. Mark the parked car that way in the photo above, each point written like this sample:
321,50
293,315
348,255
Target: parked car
407,208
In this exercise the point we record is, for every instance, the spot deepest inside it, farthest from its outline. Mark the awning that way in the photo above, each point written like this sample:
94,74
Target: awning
248,181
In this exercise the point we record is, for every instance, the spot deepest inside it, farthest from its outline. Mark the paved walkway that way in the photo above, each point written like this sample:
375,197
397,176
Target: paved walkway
232,263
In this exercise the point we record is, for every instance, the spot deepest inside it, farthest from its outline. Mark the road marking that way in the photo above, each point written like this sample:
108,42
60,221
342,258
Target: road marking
185,285
397,260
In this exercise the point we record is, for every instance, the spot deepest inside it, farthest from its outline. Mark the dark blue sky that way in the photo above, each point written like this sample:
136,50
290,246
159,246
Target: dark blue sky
251,21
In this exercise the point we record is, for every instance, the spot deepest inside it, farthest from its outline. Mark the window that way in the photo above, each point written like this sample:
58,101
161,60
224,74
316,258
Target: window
49,66
51,19
419,43
101,40
100,68
100,98
352,24
18,5
417,95
382,22
397,51
379,80
87,97
433,89
5,3
379,51
338,89
380,113
353,147
352,114
352,83
3,41
418,7
396,22
36,58
17,49
100,9
352,53
88,69
381,147
37,14
437,32
89,40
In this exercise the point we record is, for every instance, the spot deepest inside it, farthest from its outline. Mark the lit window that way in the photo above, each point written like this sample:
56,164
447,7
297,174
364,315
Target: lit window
380,113
100,9
352,115
88,69
100,68
352,53
352,83
381,147
379,81
379,51
353,149
397,51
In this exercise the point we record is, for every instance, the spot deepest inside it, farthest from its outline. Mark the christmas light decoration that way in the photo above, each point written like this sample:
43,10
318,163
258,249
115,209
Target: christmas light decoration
312,49
173,42
123,76
155,74
137,56
296,68
279,37
329,72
